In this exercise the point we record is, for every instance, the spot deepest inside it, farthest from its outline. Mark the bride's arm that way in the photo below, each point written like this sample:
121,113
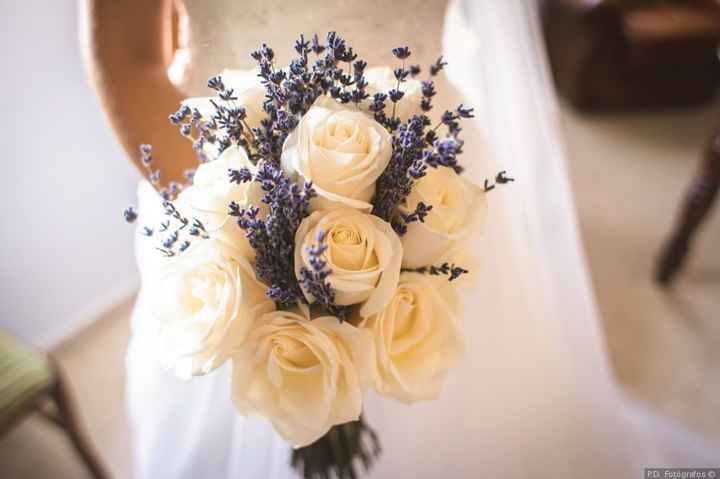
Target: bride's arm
128,46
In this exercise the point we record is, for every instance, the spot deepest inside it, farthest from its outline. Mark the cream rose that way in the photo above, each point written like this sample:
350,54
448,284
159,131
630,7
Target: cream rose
204,302
458,205
250,95
211,193
341,150
417,338
305,376
382,80
364,254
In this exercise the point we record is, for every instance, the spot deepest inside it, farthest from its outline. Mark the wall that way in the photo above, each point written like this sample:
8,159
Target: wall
66,252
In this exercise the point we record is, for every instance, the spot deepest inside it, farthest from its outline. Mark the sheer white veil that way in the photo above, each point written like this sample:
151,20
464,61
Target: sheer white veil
496,57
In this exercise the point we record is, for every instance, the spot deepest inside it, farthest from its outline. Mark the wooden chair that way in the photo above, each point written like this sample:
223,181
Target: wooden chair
698,202
31,381
633,54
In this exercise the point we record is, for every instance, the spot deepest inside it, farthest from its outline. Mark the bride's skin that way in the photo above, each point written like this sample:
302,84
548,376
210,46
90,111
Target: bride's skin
128,46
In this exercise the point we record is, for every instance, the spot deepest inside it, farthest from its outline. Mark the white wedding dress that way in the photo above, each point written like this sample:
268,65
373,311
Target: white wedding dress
534,396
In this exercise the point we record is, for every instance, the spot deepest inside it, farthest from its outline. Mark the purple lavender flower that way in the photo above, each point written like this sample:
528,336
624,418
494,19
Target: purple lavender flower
452,271
130,214
273,236
314,279
401,53
216,84
242,175
437,66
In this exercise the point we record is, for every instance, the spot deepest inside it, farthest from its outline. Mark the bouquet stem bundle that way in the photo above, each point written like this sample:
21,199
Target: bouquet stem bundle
341,450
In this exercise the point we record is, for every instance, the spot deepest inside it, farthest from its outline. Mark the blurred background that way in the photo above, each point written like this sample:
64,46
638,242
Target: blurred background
67,257
64,181
637,85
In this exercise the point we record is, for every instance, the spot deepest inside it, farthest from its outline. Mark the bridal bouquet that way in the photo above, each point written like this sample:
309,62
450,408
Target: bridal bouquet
317,245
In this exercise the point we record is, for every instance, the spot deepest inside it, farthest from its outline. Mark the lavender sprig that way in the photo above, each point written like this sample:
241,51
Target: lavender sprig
196,129
500,179
314,279
146,160
419,214
272,236
415,145
437,66
130,214
452,271
395,183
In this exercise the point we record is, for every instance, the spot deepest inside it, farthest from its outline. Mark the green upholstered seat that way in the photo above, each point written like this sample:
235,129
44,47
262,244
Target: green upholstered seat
24,373
26,376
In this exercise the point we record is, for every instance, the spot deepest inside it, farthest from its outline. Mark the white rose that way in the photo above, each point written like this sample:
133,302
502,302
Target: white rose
204,301
382,80
417,338
341,150
458,205
211,193
364,254
305,376
250,95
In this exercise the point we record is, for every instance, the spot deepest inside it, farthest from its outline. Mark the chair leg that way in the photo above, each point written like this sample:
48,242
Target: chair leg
698,202
66,409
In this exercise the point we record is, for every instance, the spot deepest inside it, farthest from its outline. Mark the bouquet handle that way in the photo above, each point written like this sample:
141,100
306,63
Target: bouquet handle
340,451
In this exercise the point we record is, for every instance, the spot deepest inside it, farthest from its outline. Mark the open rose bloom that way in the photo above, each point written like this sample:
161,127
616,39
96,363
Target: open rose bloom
312,249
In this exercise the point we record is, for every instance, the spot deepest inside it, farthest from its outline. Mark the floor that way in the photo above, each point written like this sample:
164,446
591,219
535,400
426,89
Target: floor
94,361
628,174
